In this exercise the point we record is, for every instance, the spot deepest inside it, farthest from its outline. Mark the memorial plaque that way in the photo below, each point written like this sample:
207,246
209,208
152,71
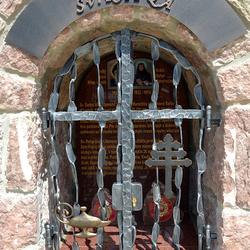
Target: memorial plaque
88,133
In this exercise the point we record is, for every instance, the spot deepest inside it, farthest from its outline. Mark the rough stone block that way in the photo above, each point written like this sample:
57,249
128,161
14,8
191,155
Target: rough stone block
1,147
18,94
233,83
62,38
232,51
122,13
90,21
196,61
7,7
243,6
235,229
186,34
25,153
154,16
61,58
16,59
1,25
18,221
229,176
210,90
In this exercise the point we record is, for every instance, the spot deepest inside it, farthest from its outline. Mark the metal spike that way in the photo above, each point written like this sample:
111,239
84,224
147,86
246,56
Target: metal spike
72,107
83,50
199,95
155,92
178,176
100,94
118,48
176,215
96,53
100,181
68,66
155,232
156,193
155,53
201,160
100,236
177,74
157,212
101,157
76,209
176,234
70,153
101,197
54,164
75,246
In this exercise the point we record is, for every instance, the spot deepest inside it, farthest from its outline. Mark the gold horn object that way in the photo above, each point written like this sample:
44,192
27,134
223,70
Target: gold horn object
82,221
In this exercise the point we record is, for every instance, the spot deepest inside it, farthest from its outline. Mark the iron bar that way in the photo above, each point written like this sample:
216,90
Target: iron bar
127,152
167,114
135,115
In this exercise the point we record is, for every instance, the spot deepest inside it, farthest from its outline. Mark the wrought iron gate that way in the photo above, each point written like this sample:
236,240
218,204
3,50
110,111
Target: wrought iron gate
126,195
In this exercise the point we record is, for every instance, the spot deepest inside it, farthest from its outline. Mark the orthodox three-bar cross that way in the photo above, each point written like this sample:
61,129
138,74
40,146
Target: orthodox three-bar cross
168,162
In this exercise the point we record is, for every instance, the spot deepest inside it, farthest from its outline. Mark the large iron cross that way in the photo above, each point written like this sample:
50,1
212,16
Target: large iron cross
168,162
128,195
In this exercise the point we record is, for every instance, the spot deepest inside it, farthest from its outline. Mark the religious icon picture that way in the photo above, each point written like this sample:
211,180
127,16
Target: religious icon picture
112,71
143,73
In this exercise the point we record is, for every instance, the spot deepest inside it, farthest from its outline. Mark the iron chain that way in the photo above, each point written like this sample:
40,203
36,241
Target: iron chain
102,151
153,106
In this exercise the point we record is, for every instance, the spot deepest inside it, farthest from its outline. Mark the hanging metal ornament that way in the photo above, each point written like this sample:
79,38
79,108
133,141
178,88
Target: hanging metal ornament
179,170
153,106
102,151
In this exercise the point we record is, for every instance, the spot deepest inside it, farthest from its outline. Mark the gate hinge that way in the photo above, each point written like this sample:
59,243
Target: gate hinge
49,232
209,236
45,120
210,121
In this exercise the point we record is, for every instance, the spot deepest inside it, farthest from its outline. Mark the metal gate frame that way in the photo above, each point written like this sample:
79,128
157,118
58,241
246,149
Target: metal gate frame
126,137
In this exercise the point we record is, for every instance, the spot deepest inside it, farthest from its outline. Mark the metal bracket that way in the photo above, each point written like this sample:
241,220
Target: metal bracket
117,190
45,120
209,236
208,117
48,235
51,233
216,122
209,120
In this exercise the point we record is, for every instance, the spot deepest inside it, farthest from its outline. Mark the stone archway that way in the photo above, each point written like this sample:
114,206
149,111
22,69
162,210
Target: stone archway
19,65
218,24
104,47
